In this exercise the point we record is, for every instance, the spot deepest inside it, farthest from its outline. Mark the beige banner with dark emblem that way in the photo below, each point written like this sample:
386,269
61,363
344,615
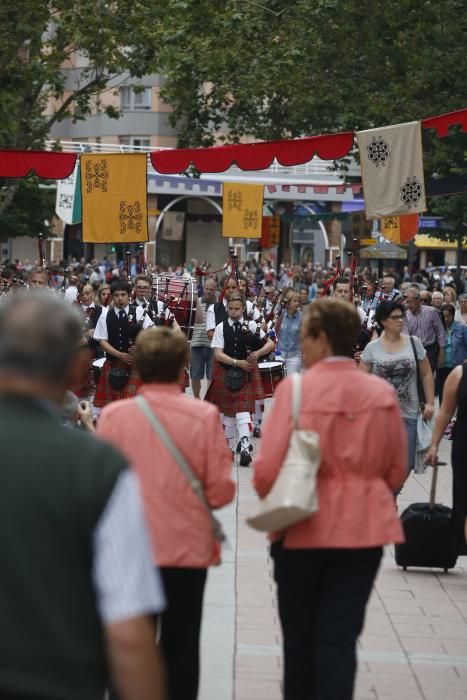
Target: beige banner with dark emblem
114,198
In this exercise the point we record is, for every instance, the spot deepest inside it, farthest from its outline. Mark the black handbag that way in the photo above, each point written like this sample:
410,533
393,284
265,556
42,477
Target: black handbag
234,378
118,377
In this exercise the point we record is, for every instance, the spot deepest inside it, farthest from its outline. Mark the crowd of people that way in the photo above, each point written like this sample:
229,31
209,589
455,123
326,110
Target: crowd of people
93,349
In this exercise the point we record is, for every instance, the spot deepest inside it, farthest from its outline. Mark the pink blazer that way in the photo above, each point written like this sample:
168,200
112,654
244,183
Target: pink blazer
364,455
179,525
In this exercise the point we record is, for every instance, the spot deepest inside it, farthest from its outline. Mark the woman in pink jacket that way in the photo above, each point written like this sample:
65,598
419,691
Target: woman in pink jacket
325,565
181,529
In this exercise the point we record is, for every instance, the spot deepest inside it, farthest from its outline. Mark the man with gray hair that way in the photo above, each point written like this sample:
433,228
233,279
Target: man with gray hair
77,586
424,322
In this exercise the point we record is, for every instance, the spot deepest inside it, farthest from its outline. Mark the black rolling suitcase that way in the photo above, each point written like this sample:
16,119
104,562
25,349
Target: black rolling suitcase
429,534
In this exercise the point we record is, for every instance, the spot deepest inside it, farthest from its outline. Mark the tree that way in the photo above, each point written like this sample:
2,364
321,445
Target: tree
294,67
37,38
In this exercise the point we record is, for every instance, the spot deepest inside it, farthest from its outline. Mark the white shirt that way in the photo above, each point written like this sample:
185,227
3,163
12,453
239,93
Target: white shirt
218,337
211,317
126,582
100,331
71,293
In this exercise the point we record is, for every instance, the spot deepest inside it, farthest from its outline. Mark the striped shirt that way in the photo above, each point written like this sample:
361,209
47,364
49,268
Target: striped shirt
426,325
200,337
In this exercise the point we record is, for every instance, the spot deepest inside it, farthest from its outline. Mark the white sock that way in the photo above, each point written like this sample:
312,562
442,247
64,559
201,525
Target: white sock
243,421
258,414
229,431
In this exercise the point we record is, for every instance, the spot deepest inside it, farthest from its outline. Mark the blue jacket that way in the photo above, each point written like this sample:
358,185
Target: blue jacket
459,343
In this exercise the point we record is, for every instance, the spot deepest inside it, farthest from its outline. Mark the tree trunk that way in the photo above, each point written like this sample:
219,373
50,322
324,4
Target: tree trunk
8,196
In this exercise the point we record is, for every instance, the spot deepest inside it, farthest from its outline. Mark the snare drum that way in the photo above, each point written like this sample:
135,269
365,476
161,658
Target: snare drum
96,368
271,374
180,295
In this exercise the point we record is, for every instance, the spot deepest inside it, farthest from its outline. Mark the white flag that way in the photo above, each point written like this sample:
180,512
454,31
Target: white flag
392,170
68,202
173,225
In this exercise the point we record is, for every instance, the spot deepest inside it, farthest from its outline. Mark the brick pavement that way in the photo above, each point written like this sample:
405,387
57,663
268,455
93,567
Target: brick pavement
414,644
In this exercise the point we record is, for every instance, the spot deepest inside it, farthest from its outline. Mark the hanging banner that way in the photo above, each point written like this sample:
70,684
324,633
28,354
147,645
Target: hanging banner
270,231
392,170
68,202
114,198
400,229
242,210
173,225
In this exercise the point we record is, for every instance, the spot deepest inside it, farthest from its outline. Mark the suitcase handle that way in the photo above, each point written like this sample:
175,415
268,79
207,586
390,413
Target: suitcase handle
434,479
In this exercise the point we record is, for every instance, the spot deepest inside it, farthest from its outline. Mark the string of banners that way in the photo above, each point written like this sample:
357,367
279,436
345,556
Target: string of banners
114,186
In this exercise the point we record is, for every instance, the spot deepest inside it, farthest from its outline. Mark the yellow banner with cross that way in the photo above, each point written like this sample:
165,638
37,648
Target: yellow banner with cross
114,198
242,210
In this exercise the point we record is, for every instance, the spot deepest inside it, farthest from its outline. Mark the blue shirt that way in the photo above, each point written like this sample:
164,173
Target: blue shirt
289,336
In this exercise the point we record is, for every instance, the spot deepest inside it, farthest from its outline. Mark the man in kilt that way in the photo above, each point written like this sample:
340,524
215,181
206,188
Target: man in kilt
116,331
236,382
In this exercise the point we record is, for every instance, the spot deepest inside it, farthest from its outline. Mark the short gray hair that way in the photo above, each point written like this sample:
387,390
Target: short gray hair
39,336
413,291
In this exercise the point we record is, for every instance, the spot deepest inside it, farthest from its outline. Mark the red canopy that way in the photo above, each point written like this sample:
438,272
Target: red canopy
49,165
253,156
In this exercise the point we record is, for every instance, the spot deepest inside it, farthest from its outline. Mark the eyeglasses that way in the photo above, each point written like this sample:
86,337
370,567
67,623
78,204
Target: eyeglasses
396,318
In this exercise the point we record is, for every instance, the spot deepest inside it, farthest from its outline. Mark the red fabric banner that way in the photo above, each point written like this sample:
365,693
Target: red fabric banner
49,165
253,156
444,121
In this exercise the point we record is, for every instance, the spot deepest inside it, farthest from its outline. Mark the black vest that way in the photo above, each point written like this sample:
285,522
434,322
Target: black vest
234,343
55,487
220,312
121,332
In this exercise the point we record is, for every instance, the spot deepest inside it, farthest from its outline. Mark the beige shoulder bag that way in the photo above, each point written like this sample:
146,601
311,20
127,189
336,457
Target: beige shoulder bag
293,496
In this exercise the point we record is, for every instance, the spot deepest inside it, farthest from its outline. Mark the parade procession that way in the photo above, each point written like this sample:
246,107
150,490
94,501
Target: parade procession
233,351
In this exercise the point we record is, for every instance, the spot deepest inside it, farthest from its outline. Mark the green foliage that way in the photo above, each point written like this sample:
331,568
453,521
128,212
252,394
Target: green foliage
30,212
37,39
282,68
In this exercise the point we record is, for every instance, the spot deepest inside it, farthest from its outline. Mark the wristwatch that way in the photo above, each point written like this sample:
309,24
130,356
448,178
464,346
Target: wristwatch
235,362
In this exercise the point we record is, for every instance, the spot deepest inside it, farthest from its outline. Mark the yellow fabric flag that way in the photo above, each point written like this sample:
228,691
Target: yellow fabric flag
242,210
114,198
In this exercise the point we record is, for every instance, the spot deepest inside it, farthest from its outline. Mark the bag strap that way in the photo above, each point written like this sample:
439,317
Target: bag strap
419,379
296,399
193,480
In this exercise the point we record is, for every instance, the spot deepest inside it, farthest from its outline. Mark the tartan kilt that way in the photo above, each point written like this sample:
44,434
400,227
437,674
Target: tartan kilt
84,385
104,392
231,402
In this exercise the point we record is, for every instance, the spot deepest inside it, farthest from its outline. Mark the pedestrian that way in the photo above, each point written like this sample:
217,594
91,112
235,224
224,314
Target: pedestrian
201,353
116,331
180,527
455,351
392,357
449,295
77,588
237,346
103,296
38,278
425,323
454,398
289,334
461,312
325,565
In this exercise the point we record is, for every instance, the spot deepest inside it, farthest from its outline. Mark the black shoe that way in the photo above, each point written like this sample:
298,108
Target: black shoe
240,448
257,431
245,459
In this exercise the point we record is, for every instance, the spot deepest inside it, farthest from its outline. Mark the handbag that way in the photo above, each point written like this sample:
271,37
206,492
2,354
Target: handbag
234,378
293,496
424,428
194,482
118,377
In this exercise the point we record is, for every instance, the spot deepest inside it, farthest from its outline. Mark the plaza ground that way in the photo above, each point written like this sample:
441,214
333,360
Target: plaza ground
414,644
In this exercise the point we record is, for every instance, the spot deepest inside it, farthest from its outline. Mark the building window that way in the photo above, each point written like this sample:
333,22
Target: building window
135,100
136,141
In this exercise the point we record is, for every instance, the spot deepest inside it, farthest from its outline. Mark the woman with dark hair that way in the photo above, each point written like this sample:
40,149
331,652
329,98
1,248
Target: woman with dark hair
394,357
325,565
